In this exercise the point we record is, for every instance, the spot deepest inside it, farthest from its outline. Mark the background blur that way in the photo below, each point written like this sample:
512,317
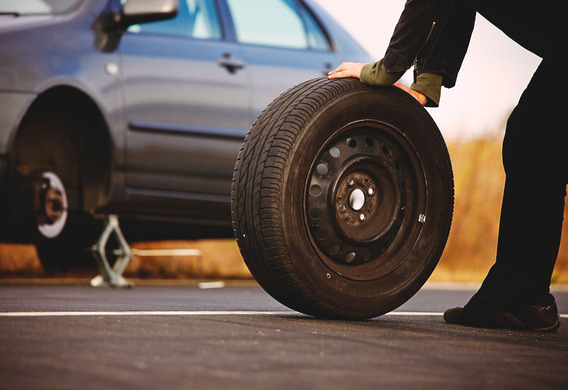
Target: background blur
471,116
495,71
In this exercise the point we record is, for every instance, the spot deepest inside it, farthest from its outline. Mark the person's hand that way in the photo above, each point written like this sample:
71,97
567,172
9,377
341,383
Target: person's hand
347,69
353,69
415,94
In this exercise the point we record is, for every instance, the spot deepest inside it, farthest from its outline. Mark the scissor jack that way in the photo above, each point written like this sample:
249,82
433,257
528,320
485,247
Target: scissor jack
111,276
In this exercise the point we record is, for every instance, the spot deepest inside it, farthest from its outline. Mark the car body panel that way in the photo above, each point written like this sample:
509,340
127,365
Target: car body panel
176,117
172,100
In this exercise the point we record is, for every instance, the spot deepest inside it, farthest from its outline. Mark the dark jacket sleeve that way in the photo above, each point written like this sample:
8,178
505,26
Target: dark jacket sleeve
432,35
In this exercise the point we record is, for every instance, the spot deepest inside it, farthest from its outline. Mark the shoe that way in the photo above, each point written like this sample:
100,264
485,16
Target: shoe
540,317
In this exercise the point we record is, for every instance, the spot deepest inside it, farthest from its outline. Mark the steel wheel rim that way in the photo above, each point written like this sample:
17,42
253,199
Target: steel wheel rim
364,200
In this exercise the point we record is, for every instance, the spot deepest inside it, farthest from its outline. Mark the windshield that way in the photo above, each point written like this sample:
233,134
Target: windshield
35,7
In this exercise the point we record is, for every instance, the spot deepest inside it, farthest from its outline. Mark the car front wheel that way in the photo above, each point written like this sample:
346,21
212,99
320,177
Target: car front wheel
48,190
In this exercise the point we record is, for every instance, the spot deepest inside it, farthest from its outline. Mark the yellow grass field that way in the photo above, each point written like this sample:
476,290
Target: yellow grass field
479,180
469,253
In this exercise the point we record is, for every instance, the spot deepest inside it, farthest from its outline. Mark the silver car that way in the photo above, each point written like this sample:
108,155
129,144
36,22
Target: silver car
138,108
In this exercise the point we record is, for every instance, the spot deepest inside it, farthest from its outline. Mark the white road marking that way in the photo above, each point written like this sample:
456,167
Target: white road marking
179,313
141,313
191,313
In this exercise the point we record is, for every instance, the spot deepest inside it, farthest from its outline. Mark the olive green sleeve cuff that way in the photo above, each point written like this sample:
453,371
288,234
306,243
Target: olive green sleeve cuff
430,85
376,74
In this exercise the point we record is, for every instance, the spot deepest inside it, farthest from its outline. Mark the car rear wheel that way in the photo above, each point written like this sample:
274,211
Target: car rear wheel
342,198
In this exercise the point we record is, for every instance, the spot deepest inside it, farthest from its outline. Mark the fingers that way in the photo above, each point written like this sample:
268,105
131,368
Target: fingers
403,87
415,94
353,69
347,69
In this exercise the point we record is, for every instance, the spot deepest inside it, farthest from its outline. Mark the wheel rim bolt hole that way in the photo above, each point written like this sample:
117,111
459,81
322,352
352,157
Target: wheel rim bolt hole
322,169
315,190
351,142
335,152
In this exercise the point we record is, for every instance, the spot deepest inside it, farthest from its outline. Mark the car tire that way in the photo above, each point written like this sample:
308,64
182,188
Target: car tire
62,237
47,187
342,198
62,243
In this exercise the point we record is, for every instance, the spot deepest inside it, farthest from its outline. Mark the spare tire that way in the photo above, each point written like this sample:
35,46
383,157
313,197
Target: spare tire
342,198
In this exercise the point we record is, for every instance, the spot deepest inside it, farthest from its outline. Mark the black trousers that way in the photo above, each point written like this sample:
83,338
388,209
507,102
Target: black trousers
535,159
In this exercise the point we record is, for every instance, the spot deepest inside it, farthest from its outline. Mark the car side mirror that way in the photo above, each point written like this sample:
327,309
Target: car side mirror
116,17
142,11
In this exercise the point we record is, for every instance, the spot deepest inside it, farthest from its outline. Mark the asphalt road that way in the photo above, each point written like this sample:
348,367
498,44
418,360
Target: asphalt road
237,337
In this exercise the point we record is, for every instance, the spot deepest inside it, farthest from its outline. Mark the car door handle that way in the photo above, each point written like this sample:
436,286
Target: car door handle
327,67
230,62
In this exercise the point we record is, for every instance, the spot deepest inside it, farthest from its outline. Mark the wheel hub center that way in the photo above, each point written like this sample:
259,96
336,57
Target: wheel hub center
357,199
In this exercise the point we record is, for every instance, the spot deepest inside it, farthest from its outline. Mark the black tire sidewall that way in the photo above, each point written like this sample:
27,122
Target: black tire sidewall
385,293
70,250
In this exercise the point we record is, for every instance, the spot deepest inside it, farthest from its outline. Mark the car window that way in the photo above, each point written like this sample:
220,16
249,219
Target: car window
28,7
275,23
196,19
316,37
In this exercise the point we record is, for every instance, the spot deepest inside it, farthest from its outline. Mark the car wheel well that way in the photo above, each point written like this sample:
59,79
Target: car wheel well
64,130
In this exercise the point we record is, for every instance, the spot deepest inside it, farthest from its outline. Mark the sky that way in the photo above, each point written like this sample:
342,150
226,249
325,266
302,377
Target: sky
495,71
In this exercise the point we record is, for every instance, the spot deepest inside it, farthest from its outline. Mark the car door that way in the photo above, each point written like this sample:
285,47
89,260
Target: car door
283,44
187,108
